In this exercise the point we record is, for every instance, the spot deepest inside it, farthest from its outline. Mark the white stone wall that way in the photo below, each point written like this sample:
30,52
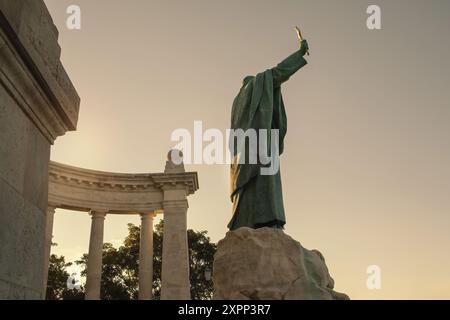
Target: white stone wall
24,155
37,104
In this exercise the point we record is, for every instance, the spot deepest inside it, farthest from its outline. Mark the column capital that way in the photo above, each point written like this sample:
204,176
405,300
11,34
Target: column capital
98,214
175,204
147,215
51,208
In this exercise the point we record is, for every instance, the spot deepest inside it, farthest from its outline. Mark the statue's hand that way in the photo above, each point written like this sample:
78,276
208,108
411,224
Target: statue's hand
304,48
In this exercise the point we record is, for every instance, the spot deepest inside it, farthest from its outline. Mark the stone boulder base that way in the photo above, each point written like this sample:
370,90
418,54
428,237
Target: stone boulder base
260,264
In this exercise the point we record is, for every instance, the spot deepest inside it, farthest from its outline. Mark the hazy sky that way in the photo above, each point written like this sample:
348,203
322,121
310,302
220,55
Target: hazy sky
366,175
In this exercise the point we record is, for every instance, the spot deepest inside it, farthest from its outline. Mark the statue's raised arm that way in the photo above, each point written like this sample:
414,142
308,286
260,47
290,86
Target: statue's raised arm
285,69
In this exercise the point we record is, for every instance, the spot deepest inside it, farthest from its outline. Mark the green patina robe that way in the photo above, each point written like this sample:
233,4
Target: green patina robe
257,199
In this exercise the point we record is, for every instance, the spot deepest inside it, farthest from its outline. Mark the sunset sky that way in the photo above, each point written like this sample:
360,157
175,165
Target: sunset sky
366,168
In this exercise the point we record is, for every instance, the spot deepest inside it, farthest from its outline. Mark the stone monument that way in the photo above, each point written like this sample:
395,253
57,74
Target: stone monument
38,103
257,260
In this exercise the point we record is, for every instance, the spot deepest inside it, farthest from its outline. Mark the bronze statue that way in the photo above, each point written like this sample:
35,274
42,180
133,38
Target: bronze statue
257,198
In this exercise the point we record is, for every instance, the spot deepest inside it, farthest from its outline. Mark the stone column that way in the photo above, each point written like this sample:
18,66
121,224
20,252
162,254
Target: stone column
146,257
175,258
94,263
48,243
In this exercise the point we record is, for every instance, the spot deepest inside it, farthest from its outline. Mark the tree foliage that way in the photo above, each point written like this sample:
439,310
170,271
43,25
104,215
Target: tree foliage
58,276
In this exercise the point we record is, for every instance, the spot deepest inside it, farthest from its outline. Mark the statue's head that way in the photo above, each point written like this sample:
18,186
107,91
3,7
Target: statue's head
247,79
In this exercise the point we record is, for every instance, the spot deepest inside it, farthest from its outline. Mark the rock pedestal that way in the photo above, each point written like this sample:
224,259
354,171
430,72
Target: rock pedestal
266,263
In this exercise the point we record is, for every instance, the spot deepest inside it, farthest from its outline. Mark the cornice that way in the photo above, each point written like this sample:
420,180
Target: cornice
32,73
128,182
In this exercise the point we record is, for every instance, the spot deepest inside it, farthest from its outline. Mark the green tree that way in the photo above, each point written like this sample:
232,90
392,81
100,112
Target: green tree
118,279
58,276
120,273
201,257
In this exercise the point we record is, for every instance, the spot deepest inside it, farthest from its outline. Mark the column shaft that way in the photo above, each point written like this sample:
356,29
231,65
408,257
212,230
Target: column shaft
175,259
48,244
94,263
146,257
